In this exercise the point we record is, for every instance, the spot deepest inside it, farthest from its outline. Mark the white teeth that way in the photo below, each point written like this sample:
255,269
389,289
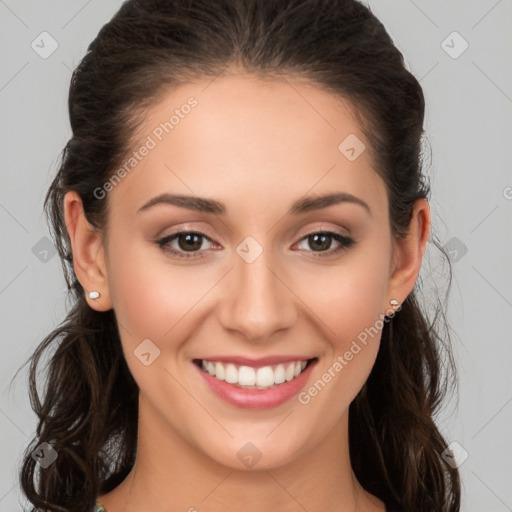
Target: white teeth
279,377
246,376
219,371
249,377
231,374
264,376
290,370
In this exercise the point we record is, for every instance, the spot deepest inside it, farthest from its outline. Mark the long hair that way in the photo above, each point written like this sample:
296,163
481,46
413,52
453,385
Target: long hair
89,410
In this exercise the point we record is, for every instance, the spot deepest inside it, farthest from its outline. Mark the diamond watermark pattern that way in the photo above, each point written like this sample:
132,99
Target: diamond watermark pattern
44,250
249,455
249,249
455,248
44,45
454,45
352,147
44,455
455,455
146,352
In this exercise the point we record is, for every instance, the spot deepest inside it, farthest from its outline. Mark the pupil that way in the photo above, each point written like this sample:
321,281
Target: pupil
188,238
325,238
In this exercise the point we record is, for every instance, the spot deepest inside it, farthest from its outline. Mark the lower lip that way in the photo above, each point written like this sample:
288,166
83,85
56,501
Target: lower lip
257,398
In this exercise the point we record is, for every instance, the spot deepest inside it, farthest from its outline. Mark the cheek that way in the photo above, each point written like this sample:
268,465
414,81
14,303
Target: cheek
149,295
348,302
152,300
349,310
136,297
347,299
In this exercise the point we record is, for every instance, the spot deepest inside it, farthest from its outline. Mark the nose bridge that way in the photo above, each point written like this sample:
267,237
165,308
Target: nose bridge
258,303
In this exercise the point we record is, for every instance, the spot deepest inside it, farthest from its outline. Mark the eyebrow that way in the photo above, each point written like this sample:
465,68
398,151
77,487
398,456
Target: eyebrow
303,205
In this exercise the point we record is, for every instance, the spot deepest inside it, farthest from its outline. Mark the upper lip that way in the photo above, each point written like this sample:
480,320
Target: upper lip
255,363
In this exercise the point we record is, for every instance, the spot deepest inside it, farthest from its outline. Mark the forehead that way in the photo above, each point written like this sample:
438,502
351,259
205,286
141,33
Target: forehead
241,139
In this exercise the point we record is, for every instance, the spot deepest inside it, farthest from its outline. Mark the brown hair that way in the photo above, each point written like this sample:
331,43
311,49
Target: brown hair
90,407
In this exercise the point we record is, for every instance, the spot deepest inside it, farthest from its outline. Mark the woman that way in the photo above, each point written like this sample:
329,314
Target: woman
241,215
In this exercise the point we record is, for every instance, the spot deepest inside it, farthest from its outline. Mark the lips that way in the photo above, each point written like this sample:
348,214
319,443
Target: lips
254,396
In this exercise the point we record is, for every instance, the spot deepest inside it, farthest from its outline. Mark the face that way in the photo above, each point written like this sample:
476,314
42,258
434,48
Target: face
249,284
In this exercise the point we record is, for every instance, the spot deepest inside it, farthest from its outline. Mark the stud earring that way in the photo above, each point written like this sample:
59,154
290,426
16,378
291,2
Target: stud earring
94,295
394,303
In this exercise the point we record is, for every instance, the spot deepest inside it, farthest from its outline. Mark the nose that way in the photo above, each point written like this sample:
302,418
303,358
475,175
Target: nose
256,300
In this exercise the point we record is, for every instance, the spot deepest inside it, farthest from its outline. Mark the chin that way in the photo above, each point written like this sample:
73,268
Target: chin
254,455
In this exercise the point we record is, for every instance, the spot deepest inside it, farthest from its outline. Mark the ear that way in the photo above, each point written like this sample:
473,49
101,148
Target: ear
88,252
408,254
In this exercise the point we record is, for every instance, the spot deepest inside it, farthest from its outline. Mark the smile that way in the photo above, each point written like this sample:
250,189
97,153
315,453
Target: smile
247,377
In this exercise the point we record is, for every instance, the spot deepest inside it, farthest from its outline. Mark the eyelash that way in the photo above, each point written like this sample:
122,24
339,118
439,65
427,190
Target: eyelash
344,240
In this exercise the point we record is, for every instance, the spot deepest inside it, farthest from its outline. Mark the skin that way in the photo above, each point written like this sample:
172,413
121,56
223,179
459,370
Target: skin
256,146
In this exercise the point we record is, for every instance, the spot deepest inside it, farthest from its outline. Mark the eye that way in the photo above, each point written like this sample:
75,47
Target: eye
190,243
322,240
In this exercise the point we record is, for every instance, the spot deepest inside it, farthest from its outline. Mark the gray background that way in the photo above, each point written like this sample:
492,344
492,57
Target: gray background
469,127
